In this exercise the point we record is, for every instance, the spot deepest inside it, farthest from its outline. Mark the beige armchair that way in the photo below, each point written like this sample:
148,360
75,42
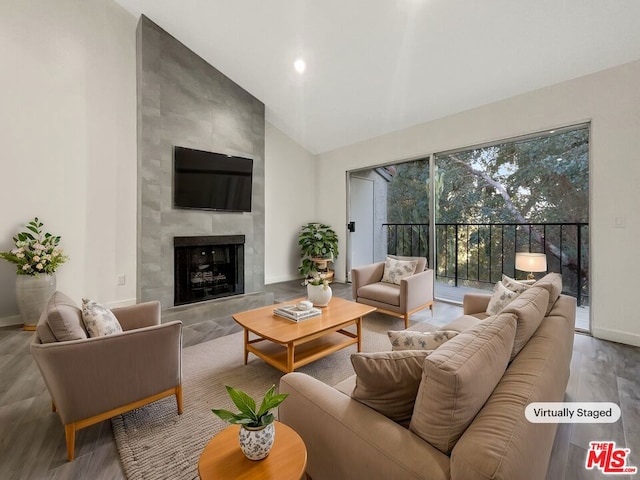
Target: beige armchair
93,379
413,294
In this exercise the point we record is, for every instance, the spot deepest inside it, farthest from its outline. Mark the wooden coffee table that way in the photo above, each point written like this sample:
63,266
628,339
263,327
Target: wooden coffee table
223,459
287,345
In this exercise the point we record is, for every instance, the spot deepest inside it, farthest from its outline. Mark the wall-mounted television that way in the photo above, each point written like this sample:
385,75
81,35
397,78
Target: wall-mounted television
211,181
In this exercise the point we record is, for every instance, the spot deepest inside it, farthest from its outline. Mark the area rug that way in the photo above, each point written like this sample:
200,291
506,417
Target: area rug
156,443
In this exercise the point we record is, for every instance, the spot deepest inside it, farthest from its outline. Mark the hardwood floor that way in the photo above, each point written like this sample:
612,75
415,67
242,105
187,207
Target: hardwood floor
32,444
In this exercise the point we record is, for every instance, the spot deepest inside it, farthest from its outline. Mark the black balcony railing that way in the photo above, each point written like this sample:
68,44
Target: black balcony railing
474,254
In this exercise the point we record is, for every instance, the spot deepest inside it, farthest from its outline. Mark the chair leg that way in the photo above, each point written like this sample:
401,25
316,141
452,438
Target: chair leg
406,320
70,434
179,399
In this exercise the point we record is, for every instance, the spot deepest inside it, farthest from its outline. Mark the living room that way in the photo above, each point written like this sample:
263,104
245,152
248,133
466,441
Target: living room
71,119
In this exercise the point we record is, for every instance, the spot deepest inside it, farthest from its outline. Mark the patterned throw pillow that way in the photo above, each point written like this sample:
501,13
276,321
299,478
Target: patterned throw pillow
515,285
501,297
410,340
396,270
98,319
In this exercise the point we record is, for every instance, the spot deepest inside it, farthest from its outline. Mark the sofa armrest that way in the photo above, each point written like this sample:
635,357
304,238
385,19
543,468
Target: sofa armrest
346,438
138,316
365,275
416,290
473,303
91,376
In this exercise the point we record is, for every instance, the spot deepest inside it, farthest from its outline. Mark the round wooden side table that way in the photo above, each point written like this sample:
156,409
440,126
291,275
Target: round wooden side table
222,457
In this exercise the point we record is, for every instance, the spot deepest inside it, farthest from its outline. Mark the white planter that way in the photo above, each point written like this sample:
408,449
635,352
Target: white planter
319,295
33,293
256,443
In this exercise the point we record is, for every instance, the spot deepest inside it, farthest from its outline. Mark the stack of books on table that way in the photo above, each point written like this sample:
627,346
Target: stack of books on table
292,312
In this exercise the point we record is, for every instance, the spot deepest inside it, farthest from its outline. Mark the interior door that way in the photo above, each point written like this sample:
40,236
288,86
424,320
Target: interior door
361,215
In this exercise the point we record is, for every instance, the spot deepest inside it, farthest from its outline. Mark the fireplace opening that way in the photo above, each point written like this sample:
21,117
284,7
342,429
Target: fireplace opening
208,267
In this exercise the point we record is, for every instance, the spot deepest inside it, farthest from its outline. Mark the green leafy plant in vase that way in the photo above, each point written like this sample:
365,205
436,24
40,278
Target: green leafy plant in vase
257,431
318,245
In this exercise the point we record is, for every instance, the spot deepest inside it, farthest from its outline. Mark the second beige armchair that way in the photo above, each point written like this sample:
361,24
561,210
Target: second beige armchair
93,379
413,293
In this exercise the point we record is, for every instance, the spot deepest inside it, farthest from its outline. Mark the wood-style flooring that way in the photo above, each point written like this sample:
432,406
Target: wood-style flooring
32,444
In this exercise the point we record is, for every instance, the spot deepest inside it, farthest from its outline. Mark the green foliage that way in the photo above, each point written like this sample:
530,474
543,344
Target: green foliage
35,251
316,240
408,193
537,180
543,179
248,415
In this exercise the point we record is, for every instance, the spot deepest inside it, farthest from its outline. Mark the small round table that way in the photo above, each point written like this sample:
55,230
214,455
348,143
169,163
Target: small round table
222,457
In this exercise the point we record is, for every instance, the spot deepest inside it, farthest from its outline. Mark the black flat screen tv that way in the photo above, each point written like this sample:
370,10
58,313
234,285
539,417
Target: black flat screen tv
211,181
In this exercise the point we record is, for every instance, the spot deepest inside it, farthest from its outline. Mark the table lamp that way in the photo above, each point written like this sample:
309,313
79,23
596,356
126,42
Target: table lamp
531,262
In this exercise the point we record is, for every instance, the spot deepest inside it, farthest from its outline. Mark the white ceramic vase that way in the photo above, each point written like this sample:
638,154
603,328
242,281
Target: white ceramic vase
319,295
256,443
32,293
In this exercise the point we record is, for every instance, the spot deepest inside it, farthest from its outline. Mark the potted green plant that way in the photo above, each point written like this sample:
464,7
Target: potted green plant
318,245
257,431
37,255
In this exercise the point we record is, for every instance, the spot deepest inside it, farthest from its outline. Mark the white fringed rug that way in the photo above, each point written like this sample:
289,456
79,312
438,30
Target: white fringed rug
156,443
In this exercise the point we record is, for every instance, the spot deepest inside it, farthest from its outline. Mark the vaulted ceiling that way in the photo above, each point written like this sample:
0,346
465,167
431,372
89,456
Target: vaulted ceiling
377,66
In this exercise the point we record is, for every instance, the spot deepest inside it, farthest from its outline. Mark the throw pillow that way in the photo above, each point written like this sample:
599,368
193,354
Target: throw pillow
552,283
99,319
388,381
515,285
529,309
501,297
63,318
410,340
396,270
458,378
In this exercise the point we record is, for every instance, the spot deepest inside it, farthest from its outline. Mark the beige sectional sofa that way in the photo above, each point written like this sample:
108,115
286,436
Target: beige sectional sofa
468,419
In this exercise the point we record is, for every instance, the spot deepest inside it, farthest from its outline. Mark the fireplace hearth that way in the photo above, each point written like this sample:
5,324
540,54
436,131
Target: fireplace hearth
208,267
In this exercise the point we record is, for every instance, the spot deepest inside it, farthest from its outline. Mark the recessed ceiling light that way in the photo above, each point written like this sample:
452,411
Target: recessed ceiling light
300,65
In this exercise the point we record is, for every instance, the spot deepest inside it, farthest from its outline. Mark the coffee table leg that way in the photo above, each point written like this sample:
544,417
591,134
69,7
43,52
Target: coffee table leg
290,356
246,342
359,330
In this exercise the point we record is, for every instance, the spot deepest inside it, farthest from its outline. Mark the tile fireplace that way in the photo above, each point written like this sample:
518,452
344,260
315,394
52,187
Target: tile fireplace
208,267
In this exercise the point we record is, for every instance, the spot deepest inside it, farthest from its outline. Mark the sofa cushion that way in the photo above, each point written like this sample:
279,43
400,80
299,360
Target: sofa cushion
99,319
501,297
461,323
64,318
529,309
458,378
552,282
381,292
395,270
421,266
43,330
388,381
411,340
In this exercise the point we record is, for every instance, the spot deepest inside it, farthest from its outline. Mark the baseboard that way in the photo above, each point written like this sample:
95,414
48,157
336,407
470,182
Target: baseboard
122,303
616,336
10,321
282,278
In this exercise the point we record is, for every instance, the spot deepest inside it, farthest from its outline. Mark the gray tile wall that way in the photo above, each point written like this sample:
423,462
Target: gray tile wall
182,100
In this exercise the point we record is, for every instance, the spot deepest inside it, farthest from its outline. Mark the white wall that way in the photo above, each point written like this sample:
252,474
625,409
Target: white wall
68,128
290,192
611,100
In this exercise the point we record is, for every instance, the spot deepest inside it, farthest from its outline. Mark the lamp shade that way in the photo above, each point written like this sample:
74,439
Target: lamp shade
531,262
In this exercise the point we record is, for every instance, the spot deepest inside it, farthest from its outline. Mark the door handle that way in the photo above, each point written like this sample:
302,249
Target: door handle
351,226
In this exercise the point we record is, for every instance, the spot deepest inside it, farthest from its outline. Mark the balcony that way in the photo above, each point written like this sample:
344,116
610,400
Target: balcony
473,256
